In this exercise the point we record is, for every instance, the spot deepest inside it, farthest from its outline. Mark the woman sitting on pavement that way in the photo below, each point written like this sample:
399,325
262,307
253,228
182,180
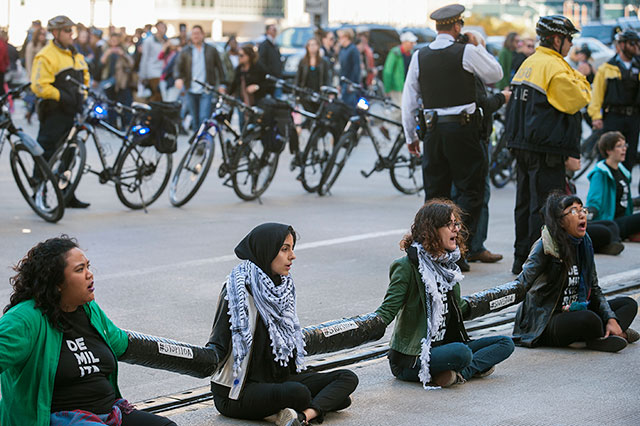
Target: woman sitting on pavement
429,342
564,303
604,234
259,343
609,196
58,350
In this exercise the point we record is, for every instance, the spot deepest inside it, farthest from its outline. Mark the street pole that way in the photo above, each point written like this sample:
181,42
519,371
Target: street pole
110,13
92,7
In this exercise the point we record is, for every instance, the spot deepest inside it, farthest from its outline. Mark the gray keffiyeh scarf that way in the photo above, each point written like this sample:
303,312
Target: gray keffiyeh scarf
433,270
276,305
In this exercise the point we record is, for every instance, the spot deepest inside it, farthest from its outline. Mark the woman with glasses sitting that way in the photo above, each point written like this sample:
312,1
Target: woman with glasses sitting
429,342
609,196
563,303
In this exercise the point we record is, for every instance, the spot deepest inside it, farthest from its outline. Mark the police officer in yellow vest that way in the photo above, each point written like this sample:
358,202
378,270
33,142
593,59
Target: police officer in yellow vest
616,94
59,100
543,126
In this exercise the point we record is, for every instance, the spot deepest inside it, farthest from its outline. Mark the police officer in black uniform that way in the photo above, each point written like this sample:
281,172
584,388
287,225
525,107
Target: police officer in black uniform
615,104
443,75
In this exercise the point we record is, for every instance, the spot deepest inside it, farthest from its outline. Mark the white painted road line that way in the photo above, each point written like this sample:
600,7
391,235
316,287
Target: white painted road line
232,257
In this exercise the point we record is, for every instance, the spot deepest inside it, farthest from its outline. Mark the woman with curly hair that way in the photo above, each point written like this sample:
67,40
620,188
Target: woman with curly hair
564,303
429,342
58,350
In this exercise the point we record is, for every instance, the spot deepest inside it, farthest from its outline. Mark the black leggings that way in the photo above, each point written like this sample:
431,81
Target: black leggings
321,391
579,326
603,233
628,225
142,418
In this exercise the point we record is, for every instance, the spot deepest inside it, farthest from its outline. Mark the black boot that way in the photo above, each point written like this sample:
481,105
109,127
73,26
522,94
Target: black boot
74,203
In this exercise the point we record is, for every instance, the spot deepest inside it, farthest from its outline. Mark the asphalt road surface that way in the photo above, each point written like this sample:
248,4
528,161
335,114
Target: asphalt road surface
160,273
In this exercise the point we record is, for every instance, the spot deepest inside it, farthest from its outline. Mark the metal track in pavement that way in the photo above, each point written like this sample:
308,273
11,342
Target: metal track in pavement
200,397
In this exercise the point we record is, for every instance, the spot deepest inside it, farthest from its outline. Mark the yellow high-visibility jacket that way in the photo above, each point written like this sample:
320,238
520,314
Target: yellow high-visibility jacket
51,66
609,89
543,113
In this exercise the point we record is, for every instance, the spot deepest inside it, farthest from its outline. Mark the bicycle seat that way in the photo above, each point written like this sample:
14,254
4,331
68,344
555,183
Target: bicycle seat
140,106
329,90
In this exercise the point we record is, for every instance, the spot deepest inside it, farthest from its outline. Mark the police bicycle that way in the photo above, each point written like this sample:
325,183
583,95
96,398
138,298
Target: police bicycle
36,183
404,168
247,164
328,124
140,173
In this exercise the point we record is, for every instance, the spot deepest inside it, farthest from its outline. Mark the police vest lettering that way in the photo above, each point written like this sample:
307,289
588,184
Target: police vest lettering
87,362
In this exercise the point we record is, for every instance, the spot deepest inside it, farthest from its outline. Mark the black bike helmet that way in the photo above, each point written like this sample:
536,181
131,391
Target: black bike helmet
59,22
555,24
628,35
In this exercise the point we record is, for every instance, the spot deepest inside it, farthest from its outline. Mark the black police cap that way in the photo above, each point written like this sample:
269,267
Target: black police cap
448,14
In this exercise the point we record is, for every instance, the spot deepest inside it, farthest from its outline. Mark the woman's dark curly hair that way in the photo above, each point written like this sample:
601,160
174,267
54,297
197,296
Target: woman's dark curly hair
553,212
432,215
39,274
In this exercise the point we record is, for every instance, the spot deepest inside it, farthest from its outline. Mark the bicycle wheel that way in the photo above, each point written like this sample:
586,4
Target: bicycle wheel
192,170
406,169
336,162
252,169
315,157
141,174
502,166
67,165
38,185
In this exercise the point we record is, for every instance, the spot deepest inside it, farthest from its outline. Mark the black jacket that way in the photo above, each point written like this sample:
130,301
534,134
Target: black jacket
489,104
324,73
254,75
544,277
213,66
269,55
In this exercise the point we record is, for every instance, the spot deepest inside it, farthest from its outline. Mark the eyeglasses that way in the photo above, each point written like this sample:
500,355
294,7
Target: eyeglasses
575,211
530,46
570,39
461,22
625,146
67,30
454,225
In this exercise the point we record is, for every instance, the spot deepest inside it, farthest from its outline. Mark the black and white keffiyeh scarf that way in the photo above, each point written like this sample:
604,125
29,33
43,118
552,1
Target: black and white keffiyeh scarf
433,270
276,305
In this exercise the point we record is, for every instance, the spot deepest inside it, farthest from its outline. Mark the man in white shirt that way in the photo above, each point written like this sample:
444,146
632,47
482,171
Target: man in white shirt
440,87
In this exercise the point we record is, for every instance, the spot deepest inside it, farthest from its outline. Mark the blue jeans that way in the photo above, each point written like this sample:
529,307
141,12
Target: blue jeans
199,105
465,358
476,245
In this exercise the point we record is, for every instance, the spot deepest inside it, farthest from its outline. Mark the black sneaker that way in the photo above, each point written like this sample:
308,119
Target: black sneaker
632,335
607,344
517,265
74,203
464,266
612,249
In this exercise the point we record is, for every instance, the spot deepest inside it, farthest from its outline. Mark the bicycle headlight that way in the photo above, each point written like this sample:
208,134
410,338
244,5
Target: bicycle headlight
99,112
140,130
363,104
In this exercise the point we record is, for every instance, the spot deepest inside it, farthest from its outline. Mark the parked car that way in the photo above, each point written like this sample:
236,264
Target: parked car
600,53
605,31
494,44
382,39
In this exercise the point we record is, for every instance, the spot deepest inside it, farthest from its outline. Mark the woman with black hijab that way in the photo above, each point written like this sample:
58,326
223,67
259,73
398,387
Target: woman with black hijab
259,343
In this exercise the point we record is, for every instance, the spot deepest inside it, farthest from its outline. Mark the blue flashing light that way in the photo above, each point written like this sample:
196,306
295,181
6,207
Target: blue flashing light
363,104
100,112
140,130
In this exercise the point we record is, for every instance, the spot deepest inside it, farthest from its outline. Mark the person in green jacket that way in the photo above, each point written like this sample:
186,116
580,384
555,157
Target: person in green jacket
58,350
505,57
396,66
429,342
609,196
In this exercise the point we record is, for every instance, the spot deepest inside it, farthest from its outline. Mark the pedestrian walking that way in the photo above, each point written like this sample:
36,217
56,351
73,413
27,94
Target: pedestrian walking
443,75
150,66
543,126
199,62
349,59
396,66
616,94
117,82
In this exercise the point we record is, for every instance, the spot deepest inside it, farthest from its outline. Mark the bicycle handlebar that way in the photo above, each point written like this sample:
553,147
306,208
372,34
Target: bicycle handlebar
230,99
367,93
14,91
97,96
